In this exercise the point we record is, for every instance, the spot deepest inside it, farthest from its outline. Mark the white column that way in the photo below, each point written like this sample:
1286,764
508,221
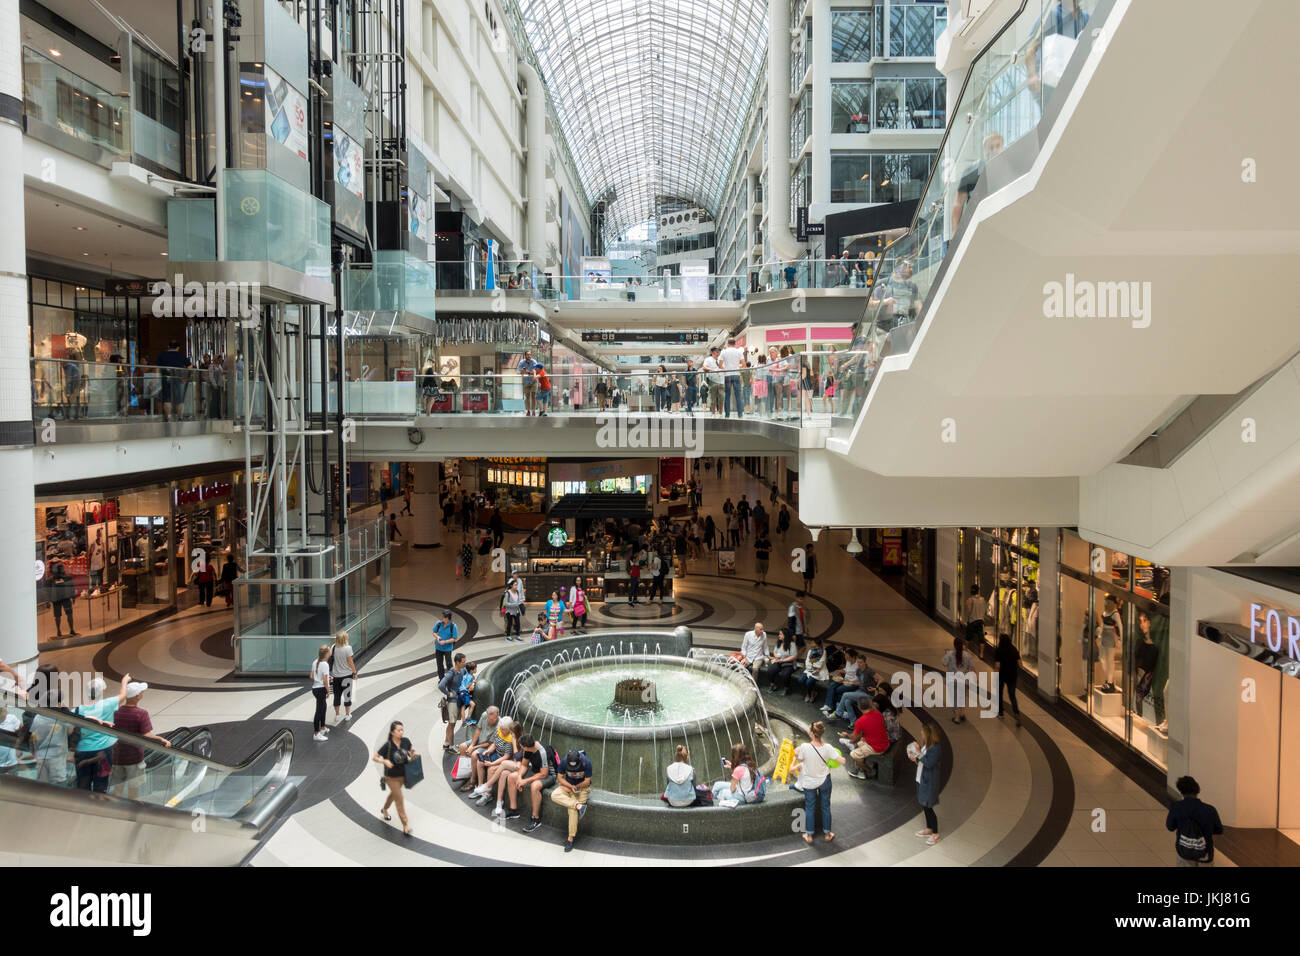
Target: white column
535,165
777,199
17,504
427,519
820,58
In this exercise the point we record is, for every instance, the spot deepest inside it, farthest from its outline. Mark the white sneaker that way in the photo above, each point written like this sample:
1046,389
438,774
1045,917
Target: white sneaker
319,737
325,731
499,811
346,718
481,789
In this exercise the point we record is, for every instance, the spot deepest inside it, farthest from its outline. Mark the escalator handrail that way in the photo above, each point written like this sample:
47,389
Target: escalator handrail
147,744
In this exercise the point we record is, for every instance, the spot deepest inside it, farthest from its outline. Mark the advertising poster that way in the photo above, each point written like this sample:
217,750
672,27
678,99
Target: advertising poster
418,208
347,164
695,280
596,271
286,113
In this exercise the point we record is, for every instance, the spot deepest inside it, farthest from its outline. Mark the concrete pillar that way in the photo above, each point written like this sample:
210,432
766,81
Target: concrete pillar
427,519
17,577
777,200
1049,578
535,166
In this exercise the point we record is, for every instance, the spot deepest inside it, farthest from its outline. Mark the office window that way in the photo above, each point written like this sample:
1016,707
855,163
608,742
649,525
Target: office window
850,106
850,177
800,123
889,104
927,101
878,177
913,28
850,36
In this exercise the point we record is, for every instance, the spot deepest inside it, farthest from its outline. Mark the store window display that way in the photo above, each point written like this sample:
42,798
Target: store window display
1114,642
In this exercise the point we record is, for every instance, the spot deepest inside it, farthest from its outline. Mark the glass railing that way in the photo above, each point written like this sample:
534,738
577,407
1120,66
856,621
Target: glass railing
395,281
804,389
59,102
478,275
1022,72
37,743
79,390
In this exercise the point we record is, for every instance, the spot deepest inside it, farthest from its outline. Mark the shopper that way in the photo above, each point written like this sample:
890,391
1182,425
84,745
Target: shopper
229,572
926,757
634,579
762,554
578,605
573,787
738,789
543,390
395,753
93,758
796,620
809,568
1195,824
555,609
527,369
960,665
343,675
680,789
731,359
128,758
785,657
815,672
812,764
512,606
659,389
449,688
658,569
713,382
870,735
393,531
1008,659
205,579
691,378
445,635
320,688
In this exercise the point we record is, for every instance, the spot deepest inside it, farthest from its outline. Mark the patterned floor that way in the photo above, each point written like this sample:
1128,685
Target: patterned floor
1034,795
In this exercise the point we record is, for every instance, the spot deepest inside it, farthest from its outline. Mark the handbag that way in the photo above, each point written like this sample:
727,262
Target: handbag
442,710
413,771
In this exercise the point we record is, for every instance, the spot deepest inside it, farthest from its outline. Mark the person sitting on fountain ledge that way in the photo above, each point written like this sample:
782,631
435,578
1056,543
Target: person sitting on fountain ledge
738,790
754,652
574,788
535,774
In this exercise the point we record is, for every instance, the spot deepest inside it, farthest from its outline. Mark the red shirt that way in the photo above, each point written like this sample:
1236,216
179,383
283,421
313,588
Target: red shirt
871,728
134,720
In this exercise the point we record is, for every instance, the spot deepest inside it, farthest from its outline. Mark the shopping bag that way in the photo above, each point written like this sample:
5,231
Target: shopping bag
461,768
413,771
1057,51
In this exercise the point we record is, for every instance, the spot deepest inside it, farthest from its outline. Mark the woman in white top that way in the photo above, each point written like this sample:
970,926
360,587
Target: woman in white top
959,662
812,763
320,688
343,673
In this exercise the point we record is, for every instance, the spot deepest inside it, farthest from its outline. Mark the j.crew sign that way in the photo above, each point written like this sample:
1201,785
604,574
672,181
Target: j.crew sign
1277,628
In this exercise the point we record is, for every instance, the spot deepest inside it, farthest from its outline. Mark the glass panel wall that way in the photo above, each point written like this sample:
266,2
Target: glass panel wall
878,177
1007,570
1114,642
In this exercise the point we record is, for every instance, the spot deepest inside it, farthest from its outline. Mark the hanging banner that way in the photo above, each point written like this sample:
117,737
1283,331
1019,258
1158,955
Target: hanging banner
286,113
695,280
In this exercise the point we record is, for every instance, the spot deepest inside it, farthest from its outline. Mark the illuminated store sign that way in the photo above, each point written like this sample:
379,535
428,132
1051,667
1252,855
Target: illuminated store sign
190,496
1279,630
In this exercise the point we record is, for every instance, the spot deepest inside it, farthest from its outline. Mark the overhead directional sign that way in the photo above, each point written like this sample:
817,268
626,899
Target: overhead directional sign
659,338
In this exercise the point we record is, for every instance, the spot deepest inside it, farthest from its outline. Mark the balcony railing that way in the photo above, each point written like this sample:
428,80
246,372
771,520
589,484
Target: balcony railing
69,111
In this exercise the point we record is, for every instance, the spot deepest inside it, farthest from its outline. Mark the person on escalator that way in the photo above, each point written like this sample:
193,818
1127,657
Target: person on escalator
128,758
94,754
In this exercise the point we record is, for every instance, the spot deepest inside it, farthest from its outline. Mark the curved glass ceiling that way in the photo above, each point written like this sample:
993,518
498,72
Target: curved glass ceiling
651,94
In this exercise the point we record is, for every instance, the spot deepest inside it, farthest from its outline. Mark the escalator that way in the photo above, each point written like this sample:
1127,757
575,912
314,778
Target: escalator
181,807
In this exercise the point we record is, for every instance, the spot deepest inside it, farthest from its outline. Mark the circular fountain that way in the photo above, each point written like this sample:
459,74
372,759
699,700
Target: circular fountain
628,712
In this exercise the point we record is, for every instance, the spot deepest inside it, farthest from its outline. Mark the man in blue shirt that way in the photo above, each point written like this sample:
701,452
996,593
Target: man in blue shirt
574,787
1195,824
528,375
444,642
173,382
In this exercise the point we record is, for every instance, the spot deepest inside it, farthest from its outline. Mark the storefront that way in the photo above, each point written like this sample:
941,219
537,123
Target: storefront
1004,562
1113,643
623,476
1234,692
112,560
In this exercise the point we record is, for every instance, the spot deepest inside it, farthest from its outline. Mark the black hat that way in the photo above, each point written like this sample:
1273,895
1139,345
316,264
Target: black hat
573,759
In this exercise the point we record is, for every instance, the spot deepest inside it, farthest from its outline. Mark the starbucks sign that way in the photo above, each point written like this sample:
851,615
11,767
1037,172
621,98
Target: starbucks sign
557,537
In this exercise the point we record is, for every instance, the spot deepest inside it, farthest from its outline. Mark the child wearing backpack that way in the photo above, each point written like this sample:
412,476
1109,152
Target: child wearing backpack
465,694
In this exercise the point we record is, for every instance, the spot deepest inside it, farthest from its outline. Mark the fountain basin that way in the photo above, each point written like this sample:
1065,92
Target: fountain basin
700,703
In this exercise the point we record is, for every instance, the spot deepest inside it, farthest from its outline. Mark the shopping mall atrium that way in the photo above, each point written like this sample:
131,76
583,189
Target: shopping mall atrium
442,393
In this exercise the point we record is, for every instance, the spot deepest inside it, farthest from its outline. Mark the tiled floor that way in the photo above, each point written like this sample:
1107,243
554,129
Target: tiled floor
996,805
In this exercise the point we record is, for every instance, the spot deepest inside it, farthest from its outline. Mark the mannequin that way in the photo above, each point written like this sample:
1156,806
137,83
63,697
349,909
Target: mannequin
1145,659
1111,634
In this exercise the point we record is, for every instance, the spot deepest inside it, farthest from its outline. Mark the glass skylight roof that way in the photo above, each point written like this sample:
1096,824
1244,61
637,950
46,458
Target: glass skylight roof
651,94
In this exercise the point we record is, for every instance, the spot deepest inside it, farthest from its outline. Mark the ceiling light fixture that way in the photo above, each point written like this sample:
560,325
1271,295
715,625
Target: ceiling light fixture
54,52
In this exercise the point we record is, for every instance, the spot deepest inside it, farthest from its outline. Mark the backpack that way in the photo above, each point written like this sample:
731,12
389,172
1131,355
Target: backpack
760,782
1191,843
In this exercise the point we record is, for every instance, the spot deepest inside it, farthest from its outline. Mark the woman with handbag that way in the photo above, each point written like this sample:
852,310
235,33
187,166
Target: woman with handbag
578,604
812,761
395,754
